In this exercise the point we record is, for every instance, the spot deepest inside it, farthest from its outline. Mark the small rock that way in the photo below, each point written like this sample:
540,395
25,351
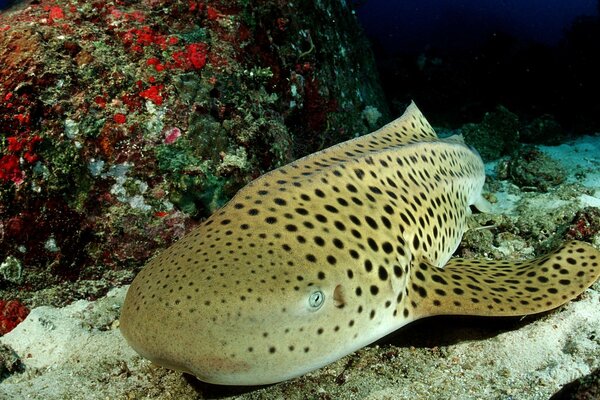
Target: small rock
11,270
9,361
532,170
585,388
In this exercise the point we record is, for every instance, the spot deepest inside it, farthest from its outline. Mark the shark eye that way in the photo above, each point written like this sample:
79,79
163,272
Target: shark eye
316,300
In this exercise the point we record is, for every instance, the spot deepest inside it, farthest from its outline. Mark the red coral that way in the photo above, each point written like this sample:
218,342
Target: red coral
32,142
137,38
9,169
15,144
120,118
56,13
153,94
197,54
193,57
145,36
585,225
135,16
158,66
101,101
316,107
30,157
23,118
12,313
212,13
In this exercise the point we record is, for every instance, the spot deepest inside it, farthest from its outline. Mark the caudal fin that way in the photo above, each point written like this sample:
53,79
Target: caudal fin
504,288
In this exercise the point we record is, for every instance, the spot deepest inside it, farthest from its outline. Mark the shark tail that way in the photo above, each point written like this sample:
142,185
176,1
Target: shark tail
504,288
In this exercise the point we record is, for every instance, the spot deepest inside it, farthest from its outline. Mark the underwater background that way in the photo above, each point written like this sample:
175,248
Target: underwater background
463,58
124,123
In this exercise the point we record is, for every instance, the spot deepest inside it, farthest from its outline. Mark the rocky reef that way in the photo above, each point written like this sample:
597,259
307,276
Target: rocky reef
123,123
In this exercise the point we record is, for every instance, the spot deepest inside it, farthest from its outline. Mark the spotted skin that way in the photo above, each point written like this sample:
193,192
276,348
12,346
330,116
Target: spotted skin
325,255
503,288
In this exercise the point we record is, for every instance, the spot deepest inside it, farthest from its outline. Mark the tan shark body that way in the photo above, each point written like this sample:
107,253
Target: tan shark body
323,256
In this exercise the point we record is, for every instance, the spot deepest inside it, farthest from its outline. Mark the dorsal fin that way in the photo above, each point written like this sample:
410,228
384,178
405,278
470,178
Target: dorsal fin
411,127
503,288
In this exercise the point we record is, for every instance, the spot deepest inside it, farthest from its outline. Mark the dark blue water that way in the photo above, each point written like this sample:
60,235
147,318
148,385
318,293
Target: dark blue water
5,3
459,59
414,25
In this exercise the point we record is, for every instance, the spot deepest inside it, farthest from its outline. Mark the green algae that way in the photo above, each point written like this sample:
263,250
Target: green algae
198,34
191,176
64,173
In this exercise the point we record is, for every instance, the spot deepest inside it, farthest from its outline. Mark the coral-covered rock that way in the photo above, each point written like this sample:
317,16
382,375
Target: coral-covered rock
123,123
585,225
